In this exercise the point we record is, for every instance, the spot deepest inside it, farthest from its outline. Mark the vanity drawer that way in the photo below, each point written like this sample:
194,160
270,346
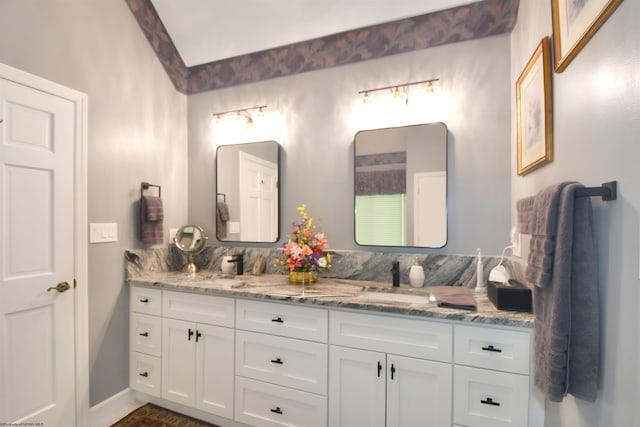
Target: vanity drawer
484,398
284,361
199,308
146,300
261,404
145,334
405,337
144,373
280,319
499,349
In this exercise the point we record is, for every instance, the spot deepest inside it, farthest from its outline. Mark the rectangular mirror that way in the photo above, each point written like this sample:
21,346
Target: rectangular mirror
247,201
401,186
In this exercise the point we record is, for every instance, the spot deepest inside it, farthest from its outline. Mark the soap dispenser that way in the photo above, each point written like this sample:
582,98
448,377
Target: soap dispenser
416,274
227,265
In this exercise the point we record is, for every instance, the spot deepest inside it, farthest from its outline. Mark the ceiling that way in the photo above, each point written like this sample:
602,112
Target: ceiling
210,30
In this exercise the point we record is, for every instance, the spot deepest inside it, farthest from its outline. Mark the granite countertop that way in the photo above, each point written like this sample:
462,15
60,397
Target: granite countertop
339,293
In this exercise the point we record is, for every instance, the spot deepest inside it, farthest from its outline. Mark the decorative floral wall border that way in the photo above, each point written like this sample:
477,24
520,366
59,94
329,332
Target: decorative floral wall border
481,19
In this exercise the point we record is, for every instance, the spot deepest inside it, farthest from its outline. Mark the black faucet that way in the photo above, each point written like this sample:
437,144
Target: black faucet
239,261
395,272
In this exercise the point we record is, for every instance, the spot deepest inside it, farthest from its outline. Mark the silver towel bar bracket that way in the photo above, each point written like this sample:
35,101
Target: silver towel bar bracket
608,191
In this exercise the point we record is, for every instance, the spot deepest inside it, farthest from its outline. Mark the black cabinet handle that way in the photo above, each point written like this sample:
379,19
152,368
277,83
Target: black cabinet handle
198,335
489,401
277,361
189,335
492,348
146,300
379,369
278,320
393,371
277,410
144,334
144,374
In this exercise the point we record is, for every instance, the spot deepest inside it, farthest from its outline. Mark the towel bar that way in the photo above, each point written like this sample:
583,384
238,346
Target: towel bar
146,185
608,191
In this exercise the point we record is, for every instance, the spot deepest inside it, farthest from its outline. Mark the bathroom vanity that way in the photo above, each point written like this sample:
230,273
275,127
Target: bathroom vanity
261,352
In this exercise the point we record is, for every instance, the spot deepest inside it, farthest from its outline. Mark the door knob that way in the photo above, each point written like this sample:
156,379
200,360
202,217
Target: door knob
60,287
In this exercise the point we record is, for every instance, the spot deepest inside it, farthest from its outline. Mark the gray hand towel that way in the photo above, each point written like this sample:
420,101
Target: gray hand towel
222,216
455,297
151,216
566,309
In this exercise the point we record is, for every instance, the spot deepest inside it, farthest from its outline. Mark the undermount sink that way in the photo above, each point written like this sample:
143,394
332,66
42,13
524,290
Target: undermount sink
394,297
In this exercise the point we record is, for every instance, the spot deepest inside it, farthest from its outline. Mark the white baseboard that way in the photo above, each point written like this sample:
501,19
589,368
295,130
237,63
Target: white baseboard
115,407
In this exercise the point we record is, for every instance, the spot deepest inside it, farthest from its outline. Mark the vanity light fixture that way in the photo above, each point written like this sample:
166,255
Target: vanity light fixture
399,92
242,114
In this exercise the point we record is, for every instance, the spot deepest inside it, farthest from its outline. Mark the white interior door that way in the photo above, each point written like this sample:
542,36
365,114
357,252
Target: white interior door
37,341
258,199
430,209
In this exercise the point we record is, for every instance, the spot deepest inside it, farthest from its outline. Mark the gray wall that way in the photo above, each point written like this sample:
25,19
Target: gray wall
596,127
317,161
137,132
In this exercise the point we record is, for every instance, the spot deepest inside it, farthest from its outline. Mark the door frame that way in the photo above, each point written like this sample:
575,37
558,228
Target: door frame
80,227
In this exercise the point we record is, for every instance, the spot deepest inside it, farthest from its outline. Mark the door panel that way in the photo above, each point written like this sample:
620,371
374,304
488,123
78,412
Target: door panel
178,361
214,370
418,392
37,361
356,387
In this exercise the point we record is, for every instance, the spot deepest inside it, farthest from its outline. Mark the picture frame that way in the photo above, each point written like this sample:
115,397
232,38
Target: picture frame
574,23
534,112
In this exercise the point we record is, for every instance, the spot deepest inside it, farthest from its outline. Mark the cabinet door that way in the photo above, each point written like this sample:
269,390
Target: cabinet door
178,361
418,392
356,387
214,370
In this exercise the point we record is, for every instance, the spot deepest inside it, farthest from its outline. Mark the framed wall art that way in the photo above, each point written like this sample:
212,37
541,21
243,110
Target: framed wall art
574,23
533,104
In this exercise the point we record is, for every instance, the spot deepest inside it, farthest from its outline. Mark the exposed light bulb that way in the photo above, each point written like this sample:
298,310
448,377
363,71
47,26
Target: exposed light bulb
366,98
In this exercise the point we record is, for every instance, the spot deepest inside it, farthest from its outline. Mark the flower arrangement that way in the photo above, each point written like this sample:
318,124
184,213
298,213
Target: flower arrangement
305,250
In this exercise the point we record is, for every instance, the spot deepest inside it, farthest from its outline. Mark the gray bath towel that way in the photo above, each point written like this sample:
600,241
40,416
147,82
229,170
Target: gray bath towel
524,207
566,299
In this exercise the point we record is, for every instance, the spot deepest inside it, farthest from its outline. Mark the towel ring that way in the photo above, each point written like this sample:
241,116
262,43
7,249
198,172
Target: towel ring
146,185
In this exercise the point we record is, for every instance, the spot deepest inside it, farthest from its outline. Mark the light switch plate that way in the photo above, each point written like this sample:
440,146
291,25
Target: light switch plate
103,232
233,227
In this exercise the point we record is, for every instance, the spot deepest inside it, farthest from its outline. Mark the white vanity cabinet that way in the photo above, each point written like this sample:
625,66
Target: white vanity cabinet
389,371
491,377
281,364
198,351
145,338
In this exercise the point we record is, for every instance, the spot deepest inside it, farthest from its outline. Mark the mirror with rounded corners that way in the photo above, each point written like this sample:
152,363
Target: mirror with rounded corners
401,186
247,200
190,240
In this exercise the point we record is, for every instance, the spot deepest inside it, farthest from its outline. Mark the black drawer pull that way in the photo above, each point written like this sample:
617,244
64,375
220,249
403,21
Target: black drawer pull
144,334
144,374
198,335
277,410
277,361
492,348
189,334
379,369
393,371
278,320
146,300
490,401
